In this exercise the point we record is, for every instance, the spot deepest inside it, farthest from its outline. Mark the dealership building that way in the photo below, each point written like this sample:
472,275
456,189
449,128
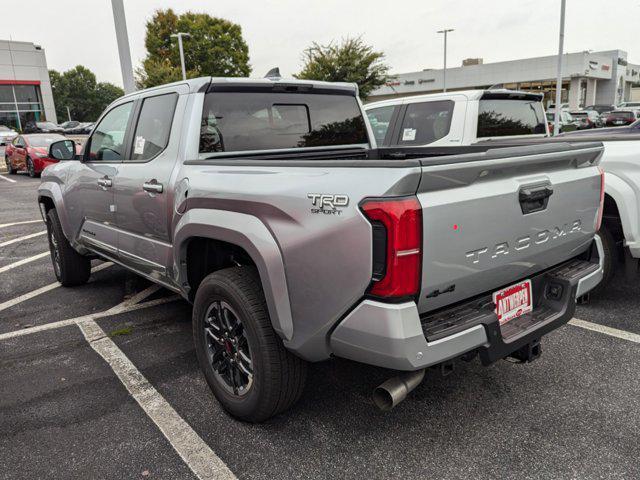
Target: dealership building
25,89
588,78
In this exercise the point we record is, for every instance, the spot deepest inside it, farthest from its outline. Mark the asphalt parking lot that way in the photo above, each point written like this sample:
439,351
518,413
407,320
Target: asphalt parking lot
102,382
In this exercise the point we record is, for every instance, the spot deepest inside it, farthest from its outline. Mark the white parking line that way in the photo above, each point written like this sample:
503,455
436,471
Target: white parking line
3,225
7,179
71,321
613,332
19,263
198,456
46,288
19,239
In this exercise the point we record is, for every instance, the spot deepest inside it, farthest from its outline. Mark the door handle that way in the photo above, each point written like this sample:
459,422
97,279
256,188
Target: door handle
534,199
105,182
152,186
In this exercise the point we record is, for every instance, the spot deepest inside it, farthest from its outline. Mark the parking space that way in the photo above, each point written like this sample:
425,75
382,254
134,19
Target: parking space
104,383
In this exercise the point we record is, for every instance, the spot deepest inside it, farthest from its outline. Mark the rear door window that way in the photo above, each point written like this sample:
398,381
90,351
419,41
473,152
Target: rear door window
505,117
238,121
380,118
426,122
154,125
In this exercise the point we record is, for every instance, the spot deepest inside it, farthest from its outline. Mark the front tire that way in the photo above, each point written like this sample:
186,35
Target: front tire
31,168
10,169
243,359
71,268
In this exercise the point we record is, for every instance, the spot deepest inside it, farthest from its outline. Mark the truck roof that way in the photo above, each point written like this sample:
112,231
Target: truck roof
470,94
203,83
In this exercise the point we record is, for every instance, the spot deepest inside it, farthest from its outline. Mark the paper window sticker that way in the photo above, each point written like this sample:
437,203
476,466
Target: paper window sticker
408,134
139,146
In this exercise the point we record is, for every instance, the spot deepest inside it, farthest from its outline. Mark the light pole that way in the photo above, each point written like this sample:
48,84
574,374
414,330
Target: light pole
556,113
120,22
179,36
444,72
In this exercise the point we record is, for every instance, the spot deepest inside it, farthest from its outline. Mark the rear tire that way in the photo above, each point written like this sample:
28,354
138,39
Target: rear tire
10,169
71,268
610,250
277,377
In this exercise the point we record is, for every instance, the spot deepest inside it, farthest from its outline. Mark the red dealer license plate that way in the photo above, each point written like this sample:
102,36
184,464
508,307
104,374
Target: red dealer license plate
513,302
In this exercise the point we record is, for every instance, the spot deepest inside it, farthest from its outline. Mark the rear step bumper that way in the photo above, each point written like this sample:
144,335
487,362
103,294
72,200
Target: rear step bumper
395,336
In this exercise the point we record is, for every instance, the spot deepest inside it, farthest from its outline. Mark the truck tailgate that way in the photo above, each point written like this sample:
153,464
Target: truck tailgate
493,218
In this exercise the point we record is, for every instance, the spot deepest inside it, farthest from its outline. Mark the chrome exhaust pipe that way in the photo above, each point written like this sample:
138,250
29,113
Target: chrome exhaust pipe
396,389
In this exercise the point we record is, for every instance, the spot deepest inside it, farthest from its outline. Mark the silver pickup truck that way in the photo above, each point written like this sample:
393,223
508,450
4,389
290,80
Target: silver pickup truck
267,204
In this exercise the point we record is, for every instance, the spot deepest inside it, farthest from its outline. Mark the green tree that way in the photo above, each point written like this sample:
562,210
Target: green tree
349,61
79,90
216,47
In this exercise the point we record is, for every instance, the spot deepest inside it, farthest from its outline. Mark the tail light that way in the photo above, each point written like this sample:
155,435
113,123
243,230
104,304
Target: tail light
601,208
397,237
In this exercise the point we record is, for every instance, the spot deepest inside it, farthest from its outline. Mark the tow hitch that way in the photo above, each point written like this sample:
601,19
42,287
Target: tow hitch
528,353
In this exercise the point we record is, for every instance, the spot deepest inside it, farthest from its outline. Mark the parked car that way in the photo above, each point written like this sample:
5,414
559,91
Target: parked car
30,153
69,124
587,119
457,118
621,117
629,105
624,130
42,127
296,240
7,135
83,128
600,108
552,107
567,122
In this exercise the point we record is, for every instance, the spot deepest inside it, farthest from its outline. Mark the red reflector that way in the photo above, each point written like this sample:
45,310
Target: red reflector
601,207
402,219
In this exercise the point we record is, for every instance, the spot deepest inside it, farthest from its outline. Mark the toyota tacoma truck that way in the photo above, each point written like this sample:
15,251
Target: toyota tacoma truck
268,205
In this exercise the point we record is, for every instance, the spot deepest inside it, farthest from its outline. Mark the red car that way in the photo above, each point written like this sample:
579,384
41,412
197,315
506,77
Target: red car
619,118
30,153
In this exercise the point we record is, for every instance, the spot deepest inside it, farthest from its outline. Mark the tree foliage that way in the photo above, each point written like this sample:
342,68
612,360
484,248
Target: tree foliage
216,47
79,90
349,61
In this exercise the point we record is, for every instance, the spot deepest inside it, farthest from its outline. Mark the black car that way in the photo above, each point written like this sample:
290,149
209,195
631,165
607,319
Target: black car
42,127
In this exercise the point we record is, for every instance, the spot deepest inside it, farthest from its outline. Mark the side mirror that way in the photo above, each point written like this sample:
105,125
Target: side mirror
63,150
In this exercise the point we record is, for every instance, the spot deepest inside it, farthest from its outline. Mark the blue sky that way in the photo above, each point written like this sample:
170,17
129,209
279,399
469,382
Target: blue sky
81,31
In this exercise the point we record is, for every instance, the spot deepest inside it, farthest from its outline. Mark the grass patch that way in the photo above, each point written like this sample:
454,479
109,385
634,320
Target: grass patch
121,331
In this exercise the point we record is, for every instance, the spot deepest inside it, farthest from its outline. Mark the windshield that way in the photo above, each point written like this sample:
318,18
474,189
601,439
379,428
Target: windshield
237,121
40,141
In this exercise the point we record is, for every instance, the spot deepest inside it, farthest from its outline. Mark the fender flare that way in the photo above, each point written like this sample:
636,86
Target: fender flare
249,233
627,202
52,191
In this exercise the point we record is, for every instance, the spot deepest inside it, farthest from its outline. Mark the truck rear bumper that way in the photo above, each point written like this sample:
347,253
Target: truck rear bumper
395,336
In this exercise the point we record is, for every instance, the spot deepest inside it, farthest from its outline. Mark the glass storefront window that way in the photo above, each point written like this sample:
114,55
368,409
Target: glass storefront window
9,119
20,104
6,94
26,93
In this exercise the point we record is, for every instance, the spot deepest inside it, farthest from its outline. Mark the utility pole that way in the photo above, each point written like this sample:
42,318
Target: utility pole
122,36
68,113
444,72
556,113
180,36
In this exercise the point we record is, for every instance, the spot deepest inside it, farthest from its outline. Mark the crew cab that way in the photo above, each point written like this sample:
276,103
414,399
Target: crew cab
457,118
268,205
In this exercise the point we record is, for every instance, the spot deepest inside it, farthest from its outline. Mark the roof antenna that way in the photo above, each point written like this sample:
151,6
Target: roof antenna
273,74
